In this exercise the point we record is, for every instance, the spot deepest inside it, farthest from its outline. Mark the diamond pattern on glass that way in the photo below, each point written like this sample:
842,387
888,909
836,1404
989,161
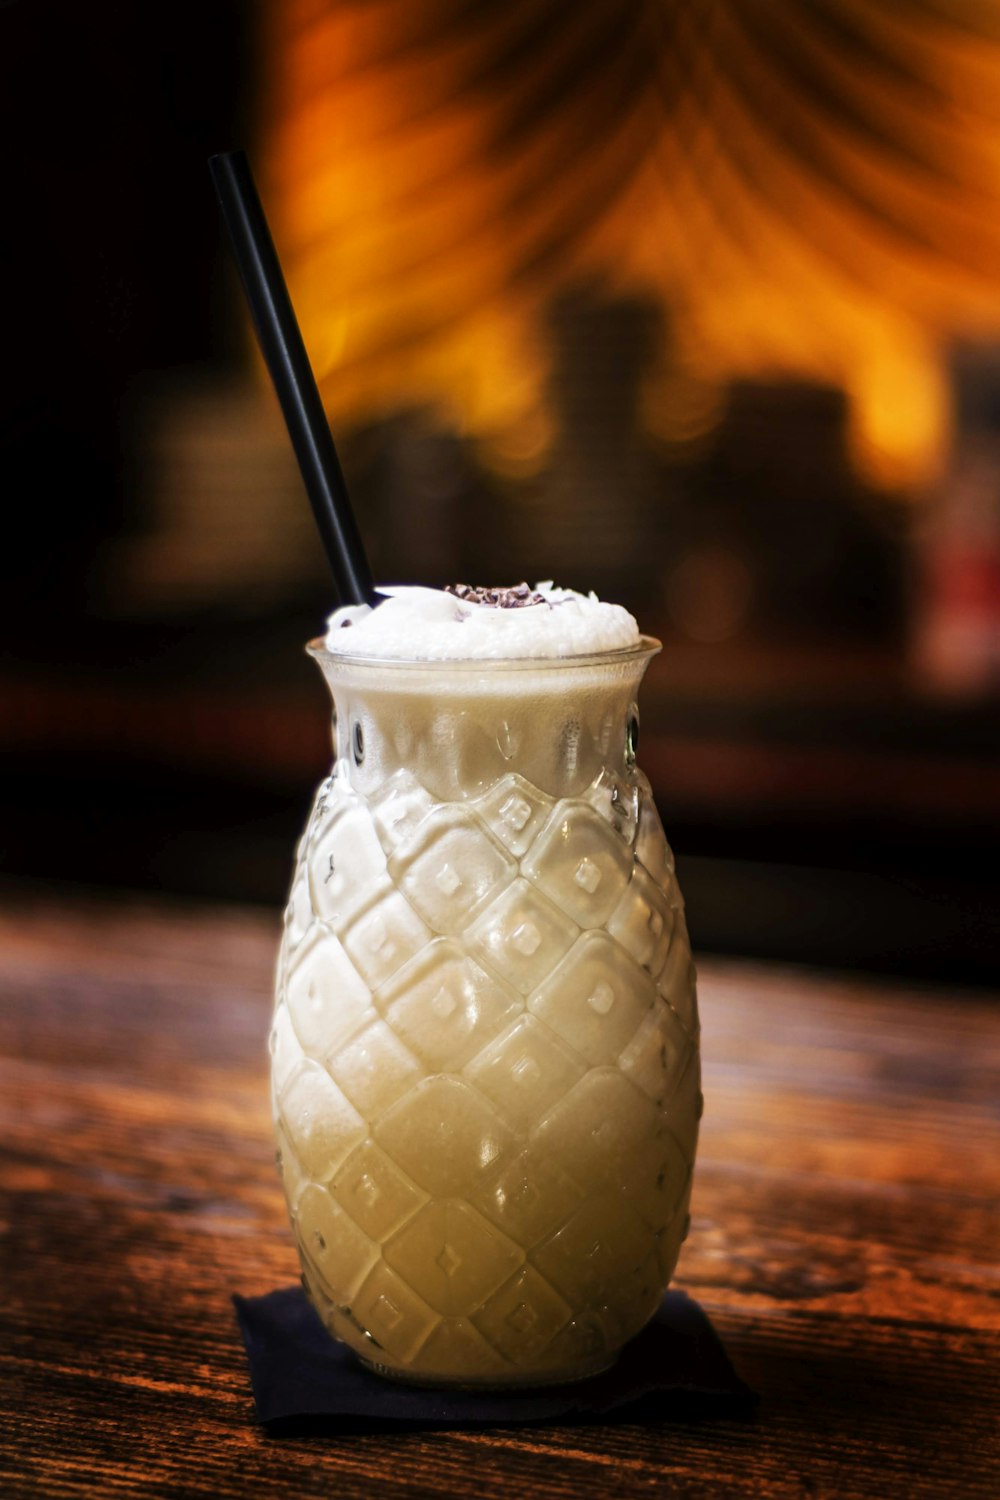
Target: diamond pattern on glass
580,863
448,1260
334,1245
450,868
374,1191
331,796
522,1317
602,1242
518,1000
452,1257
345,861
677,981
446,1136
384,935
669,1240
374,1068
298,912
522,935
286,1053
293,1179
524,1071
445,1006
326,996
593,1130
323,1124
526,938
654,1056
529,1198
601,998
685,1105
595,999
514,811
392,1314
651,846
643,922
398,808
454,1349
656,1178
583,1342
616,799
631,1300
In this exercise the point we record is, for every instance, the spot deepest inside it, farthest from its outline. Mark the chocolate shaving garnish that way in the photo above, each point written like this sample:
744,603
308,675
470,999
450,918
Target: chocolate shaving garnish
516,597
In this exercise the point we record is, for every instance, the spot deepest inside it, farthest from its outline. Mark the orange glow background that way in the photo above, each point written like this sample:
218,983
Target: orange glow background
811,190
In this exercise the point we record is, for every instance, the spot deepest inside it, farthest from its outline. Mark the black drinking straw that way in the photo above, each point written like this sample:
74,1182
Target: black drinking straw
285,354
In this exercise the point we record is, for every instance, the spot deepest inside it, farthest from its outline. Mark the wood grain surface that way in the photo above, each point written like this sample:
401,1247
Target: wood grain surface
845,1234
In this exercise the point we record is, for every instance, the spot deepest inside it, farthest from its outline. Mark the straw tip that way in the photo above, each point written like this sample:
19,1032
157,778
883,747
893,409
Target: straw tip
221,164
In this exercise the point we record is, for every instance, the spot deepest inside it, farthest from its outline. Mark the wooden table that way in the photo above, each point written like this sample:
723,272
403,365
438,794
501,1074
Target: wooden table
844,1241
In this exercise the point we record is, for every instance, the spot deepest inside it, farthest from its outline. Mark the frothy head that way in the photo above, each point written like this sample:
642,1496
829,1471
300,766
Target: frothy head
466,624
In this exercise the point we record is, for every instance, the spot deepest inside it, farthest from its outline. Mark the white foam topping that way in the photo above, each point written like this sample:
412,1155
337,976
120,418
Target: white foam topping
421,624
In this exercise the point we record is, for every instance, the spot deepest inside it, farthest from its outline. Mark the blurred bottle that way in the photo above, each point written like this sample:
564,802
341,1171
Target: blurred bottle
957,609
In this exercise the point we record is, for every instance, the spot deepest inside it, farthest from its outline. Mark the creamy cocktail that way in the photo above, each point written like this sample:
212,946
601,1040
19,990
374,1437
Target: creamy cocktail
485,1064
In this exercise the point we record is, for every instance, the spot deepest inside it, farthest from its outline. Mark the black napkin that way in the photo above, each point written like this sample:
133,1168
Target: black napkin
298,1371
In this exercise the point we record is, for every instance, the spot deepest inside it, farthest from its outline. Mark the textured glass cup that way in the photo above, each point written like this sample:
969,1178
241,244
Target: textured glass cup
485,1068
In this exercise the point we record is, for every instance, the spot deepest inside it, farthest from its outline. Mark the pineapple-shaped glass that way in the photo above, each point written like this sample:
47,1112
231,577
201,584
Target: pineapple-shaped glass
486,1080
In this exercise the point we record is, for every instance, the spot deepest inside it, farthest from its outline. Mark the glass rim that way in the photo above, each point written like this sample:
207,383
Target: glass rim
644,649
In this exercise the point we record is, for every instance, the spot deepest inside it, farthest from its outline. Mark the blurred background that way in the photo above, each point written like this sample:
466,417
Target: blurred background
693,302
